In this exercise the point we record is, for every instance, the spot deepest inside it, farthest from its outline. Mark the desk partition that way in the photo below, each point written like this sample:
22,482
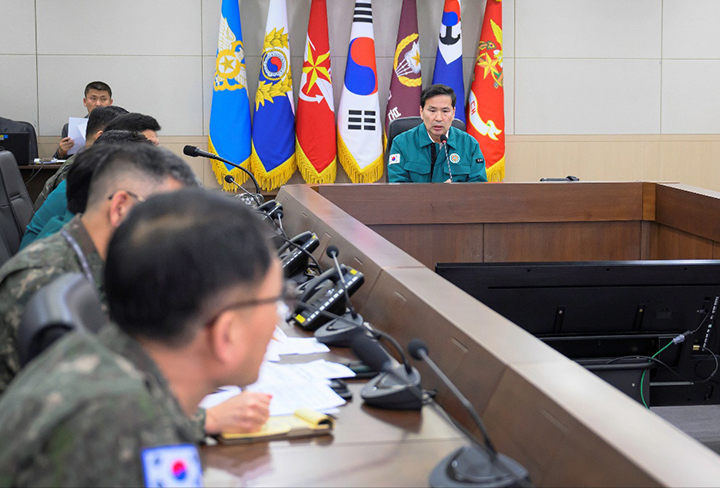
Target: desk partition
564,424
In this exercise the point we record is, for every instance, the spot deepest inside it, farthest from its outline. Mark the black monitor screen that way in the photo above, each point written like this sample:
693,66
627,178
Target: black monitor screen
597,297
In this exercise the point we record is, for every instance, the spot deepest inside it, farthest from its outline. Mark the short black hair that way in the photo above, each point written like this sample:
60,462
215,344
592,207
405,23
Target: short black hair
145,162
175,254
134,121
117,136
101,116
435,90
81,171
99,86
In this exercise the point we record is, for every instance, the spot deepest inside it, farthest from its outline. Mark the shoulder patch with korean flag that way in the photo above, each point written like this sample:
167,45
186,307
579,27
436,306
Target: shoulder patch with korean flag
454,158
177,465
394,159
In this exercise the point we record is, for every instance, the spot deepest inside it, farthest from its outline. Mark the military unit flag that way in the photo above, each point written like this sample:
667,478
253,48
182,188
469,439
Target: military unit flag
279,142
360,130
315,148
448,61
486,110
273,147
230,113
406,81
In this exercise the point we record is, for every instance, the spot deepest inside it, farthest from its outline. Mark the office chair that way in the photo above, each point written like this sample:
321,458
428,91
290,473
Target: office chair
68,303
15,203
8,125
398,126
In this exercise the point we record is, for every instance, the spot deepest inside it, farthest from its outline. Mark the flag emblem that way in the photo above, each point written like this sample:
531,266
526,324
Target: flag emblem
408,70
394,159
230,63
360,78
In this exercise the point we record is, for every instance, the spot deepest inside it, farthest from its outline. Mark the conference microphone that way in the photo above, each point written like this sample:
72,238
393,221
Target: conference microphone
340,333
394,388
254,200
479,465
195,152
443,143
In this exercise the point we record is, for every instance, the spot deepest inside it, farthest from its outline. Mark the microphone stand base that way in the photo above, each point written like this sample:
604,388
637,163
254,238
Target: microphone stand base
471,466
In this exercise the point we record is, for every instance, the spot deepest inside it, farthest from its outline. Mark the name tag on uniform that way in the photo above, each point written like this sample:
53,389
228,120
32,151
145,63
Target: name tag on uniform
177,465
394,159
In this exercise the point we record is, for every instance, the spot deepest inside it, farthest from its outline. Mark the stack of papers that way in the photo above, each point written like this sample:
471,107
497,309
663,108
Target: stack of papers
292,386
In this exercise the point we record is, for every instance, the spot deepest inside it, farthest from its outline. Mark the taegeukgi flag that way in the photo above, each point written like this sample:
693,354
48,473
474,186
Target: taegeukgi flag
360,130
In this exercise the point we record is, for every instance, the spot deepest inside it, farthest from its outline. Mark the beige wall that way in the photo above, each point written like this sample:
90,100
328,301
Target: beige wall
610,89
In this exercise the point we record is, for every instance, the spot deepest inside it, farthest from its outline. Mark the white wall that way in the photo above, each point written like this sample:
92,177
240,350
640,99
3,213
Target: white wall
571,66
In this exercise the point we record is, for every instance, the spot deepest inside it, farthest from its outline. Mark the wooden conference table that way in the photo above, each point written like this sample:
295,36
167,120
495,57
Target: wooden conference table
564,424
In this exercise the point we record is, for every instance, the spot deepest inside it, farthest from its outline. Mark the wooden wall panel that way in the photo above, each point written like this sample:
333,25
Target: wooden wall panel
576,241
420,203
439,243
676,244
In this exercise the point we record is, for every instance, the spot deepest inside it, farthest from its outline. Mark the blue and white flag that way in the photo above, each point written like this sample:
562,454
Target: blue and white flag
230,113
273,154
448,62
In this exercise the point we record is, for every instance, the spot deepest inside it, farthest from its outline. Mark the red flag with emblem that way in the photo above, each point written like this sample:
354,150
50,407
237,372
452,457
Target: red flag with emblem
486,105
315,147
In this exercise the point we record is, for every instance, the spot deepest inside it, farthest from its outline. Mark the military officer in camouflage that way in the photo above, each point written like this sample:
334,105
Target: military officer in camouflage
126,174
192,314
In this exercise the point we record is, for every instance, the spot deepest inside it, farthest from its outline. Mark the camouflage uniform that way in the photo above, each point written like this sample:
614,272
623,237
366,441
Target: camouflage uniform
53,182
81,414
30,270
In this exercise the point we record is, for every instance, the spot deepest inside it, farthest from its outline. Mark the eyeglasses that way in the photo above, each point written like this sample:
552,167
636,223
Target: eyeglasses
134,195
287,299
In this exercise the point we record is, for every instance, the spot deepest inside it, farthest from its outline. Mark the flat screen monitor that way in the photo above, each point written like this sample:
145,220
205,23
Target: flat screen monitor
596,310
17,143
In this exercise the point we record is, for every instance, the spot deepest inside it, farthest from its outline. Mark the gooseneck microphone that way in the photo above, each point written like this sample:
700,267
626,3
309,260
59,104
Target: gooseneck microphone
195,152
256,199
443,143
477,466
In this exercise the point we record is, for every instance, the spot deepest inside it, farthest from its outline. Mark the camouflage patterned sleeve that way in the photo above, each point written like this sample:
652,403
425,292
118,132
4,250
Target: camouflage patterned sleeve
101,444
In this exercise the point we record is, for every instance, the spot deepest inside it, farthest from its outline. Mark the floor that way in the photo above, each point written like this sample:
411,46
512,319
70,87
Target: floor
701,422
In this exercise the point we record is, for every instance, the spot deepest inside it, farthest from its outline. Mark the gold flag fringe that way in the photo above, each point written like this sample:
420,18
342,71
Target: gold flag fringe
369,174
496,172
275,178
221,170
308,171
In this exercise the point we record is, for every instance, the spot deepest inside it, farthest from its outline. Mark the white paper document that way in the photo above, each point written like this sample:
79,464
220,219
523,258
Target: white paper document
77,127
293,386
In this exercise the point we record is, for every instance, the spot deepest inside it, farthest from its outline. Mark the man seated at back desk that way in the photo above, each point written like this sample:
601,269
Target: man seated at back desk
434,151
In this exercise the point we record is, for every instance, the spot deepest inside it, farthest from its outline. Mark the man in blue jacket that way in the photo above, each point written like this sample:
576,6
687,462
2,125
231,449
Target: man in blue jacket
435,151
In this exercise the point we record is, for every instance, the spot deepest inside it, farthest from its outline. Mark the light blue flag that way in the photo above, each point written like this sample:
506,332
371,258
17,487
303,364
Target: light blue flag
230,129
273,152
448,62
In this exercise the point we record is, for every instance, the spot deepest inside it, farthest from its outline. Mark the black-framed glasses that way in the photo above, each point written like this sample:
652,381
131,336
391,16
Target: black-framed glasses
133,195
287,298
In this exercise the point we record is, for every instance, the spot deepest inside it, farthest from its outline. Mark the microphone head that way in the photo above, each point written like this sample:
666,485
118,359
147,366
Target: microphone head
443,139
332,251
190,151
370,352
228,178
415,346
